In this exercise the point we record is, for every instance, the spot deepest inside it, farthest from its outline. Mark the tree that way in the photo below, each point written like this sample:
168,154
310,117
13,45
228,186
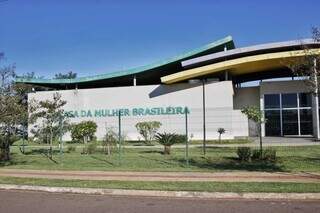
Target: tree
52,115
168,139
69,75
148,129
309,64
221,131
84,131
13,113
255,114
110,140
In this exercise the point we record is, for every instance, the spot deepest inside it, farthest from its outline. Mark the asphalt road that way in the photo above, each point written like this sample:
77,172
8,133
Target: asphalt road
34,202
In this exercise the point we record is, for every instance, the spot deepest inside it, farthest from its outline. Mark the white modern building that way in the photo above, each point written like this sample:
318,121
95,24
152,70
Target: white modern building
206,87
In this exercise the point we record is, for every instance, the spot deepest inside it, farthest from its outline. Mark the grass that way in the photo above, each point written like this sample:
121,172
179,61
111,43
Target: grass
172,186
140,143
290,159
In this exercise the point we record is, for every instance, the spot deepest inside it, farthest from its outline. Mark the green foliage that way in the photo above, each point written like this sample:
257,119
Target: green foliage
83,131
247,154
244,153
71,149
110,141
220,131
52,115
168,139
148,129
90,148
269,155
253,113
69,75
13,110
256,154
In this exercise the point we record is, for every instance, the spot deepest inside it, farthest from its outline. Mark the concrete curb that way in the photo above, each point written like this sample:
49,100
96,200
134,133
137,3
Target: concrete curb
170,194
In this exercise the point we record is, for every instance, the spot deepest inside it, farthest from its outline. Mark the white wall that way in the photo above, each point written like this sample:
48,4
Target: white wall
219,107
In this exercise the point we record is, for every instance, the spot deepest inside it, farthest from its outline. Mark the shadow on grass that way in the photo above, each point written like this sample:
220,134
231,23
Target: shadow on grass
13,161
102,160
151,152
42,151
157,160
229,164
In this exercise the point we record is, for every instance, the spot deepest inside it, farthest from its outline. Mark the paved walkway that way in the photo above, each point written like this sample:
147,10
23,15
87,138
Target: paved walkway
166,176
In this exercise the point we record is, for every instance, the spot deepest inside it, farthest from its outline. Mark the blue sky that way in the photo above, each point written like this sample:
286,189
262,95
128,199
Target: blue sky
99,36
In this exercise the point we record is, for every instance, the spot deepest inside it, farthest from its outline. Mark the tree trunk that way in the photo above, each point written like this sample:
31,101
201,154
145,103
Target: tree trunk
260,138
167,150
5,150
51,137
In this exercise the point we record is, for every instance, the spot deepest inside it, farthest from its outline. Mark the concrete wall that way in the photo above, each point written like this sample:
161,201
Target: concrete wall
219,108
244,97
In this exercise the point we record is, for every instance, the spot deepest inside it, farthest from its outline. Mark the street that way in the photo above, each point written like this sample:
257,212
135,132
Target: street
34,202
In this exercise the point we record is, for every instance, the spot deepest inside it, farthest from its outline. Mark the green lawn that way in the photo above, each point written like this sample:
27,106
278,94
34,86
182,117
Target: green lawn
171,186
291,159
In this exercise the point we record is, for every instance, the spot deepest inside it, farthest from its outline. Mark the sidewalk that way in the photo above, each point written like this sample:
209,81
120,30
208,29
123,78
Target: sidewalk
166,176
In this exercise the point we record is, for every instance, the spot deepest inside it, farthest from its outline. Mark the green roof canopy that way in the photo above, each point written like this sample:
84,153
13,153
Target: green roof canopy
150,74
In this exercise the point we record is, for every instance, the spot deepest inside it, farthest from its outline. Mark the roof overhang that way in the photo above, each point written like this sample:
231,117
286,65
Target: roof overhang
120,76
241,66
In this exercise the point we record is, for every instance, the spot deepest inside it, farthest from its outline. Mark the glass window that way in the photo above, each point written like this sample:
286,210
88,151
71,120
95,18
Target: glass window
289,100
273,125
290,122
305,100
306,127
271,101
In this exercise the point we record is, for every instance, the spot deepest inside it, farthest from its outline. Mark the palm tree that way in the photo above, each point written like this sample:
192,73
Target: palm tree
221,131
167,140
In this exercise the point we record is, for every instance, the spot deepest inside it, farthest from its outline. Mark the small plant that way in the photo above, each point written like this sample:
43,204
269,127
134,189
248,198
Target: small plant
90,148
221,131
270,155
110,141
148,130
256,154
244,153
84,131
71,149
167,140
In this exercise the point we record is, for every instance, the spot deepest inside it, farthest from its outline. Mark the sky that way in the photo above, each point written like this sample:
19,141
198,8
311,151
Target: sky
93,37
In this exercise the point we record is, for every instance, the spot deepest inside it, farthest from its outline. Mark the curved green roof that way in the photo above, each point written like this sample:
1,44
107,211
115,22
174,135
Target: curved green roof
227,41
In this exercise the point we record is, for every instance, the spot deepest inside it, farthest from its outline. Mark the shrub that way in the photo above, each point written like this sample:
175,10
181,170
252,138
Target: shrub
110,141
244,153
256,154
167,140
270,154
90,148
71,149
148,129
84,131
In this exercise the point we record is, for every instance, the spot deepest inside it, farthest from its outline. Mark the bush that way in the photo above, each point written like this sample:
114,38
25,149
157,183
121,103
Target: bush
256,154
110,141
71,149
84,131
90,148
268,154
167,140
244,153
148,130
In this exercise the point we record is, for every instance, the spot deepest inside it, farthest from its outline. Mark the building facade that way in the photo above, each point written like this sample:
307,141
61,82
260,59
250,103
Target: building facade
197,92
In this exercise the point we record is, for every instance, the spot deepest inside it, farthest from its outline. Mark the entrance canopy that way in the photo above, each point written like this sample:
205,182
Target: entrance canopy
261,61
